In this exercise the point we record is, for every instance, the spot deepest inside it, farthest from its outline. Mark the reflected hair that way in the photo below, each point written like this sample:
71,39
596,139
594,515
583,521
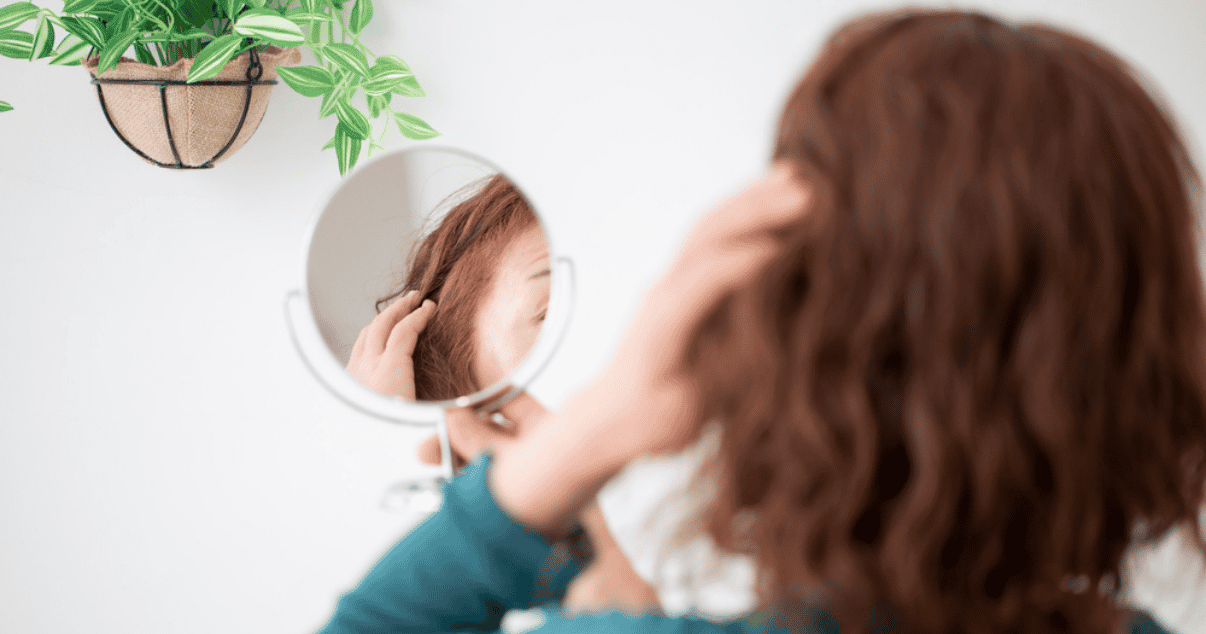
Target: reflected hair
974,375
454,266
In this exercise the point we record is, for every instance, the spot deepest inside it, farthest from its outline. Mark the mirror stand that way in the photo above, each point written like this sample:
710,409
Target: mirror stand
423,494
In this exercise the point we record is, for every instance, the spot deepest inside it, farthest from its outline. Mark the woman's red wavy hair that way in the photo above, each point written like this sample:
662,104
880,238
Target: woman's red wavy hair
454,266
975,375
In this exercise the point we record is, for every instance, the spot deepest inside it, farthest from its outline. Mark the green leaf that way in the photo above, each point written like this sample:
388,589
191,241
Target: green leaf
308,16
16,14
119,24
157,36
383,77
16,44
413,127
5,107
347,149
270,28
143,54
195,13
79,6
329,102
392,60
377,104
311,81
231,8
353,120
330,144
362,14
259,4
191,34
71,50
347,57
403,83
260,11
43,42
88,29
106,11
162,36
111,54
214,57
311,6
409,87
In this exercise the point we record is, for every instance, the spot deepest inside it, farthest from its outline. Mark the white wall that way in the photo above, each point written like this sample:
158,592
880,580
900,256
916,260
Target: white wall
167,464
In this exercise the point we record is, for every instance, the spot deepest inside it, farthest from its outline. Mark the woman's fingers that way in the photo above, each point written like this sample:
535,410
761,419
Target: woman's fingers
373,363
383,324
674,306
696,288
429,450
731,247
358,347
732,244
406,331
469,436
524,411
470,433
778,199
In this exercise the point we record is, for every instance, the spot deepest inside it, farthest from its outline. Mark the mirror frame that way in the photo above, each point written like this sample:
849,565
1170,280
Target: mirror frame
318,358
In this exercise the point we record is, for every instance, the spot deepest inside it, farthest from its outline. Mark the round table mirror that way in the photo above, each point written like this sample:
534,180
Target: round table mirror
429,283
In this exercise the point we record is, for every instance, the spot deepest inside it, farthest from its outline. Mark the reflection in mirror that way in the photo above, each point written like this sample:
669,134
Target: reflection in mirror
429,275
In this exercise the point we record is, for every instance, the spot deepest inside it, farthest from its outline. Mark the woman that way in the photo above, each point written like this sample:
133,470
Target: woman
472,306
954,342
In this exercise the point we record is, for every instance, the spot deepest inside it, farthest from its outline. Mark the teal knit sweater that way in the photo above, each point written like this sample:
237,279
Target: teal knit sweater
466,565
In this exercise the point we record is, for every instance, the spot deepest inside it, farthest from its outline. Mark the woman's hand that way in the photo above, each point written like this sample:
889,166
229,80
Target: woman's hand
644,402
470,434
609,582
645,378
382,356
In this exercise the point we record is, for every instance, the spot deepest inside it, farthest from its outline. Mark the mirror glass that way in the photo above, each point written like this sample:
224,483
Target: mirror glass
453,229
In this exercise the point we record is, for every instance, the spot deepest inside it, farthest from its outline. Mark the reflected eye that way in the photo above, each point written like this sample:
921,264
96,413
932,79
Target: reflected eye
539,318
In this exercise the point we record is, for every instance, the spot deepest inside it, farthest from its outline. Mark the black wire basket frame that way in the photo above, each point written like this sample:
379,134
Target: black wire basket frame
254,72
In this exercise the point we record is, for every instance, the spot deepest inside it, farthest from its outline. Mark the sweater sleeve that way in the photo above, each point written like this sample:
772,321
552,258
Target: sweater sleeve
467,564
460,570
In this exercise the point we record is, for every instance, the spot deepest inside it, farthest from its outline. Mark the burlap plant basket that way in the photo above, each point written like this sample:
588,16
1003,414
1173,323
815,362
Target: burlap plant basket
202,117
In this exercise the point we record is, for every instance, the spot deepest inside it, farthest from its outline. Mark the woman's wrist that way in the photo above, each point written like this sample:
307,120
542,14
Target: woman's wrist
545,479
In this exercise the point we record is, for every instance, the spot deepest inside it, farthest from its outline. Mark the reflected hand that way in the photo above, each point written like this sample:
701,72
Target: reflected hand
382,357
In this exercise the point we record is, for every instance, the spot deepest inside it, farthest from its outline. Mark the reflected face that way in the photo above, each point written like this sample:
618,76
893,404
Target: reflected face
513,313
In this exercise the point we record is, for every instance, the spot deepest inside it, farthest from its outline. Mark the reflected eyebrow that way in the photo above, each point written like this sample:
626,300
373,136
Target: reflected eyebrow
544,273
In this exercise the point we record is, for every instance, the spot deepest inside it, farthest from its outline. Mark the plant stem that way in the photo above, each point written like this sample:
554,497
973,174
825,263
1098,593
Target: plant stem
343,29
171,23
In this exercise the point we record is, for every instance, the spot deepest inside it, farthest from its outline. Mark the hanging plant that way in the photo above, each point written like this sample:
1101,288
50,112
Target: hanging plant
202,40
